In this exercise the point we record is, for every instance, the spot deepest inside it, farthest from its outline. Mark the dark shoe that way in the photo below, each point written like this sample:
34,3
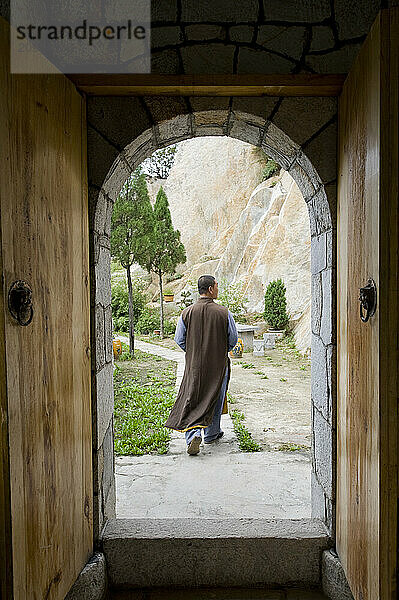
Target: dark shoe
219,435
194,446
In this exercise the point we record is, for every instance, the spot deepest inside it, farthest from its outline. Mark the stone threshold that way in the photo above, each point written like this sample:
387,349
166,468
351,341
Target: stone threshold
147,553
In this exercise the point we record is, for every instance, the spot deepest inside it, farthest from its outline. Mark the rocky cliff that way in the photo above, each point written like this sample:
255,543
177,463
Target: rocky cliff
238,229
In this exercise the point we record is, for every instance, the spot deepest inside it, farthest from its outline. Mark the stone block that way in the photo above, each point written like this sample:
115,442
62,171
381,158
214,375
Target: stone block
326,328
108,479
322,153
306,184
174,130
321,212
105,401
234,552
241,33
100,205
330,253
100,338
119,171
213,103
200,32
103,277
245,131
301,118
254,105
209,130
280,147
331,193
291,11
211,118
110,503
334,582
100,157
165,62
108,348
336,61
219,10
311,170
331,380
91,583
208,58
318,499
119,119
322,38
164,11
355,19
318,253
319,378
166,36
289,41
140,148
163,108
323,451
251,60
317,302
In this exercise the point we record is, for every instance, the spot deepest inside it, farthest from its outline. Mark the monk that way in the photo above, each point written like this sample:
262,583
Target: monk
206,331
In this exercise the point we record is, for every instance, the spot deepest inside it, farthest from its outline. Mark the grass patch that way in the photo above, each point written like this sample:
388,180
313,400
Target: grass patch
144,395
245,441
247,365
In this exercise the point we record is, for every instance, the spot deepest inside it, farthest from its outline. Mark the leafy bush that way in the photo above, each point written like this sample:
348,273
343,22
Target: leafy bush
272,168
276,305
232,296
150,320
245,441
120,304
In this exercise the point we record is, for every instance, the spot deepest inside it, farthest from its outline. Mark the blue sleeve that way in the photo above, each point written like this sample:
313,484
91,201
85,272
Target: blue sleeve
232,332
180,334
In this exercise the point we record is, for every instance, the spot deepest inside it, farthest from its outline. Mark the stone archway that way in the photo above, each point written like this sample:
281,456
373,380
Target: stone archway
257,131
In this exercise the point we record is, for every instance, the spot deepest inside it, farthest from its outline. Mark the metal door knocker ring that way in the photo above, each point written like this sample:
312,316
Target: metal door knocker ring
20,302
368,300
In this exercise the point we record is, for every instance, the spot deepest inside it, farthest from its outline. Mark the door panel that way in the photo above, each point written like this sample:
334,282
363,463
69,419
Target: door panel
367,352
44,240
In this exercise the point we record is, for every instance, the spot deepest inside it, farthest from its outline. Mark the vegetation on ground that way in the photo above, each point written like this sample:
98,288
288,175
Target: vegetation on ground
245,441
144,394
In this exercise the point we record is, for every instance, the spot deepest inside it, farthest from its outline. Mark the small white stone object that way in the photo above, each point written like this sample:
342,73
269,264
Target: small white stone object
269,340
259,348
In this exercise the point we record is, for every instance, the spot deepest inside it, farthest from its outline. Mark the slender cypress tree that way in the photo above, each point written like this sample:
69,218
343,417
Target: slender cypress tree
166,250
131,233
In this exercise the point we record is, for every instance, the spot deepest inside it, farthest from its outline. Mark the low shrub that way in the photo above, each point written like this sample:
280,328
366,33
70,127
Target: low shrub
120,304
276,305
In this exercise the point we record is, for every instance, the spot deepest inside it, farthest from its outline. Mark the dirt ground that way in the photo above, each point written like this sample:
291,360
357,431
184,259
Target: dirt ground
276,409
273,392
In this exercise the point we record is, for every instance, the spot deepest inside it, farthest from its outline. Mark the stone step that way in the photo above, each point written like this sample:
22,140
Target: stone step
148,553
218,594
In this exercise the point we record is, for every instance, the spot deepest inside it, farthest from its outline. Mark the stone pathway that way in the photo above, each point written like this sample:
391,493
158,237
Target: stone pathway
220,482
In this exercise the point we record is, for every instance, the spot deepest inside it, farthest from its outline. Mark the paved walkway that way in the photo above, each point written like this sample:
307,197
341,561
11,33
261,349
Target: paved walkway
220,482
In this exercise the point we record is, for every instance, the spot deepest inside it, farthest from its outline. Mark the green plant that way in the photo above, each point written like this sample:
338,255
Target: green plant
271,168
247,365
149,321
168,292
186,299
289,447
275,312
232,296
244,437
120,304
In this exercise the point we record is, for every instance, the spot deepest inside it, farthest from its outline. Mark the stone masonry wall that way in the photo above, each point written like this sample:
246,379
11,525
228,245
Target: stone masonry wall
304,143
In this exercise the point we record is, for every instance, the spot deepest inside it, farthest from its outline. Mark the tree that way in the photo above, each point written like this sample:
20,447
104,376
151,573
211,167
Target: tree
131,231
160,162
165,250
275,305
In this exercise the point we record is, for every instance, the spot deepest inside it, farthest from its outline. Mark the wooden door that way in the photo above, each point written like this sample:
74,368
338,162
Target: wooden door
367,247
45,366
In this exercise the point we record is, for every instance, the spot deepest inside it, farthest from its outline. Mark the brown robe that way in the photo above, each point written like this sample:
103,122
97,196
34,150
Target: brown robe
206,362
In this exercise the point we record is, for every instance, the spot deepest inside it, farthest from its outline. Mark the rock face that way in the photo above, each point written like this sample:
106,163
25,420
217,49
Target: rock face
237,229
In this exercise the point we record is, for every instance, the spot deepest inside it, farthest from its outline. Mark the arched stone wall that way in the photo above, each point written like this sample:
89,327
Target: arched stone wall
306,149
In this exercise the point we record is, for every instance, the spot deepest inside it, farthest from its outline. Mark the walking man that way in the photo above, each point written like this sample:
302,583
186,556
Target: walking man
206,332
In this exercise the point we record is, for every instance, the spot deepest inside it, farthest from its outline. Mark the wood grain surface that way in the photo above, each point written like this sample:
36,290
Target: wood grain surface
367,352
44,228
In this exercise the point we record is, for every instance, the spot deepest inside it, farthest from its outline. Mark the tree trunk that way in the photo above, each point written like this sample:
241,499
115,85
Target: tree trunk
161,303
131,313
